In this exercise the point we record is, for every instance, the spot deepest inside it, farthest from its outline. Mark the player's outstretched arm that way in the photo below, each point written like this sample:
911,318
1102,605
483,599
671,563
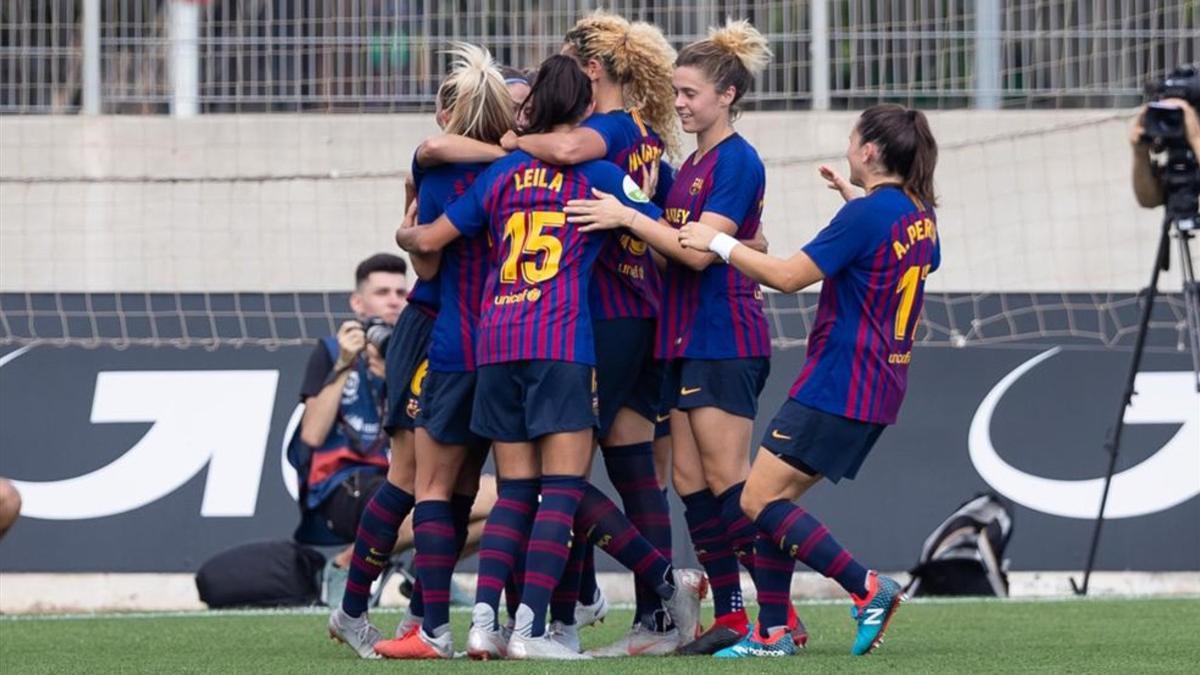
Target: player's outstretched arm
455,149
564,148
788,276
427,239
606,212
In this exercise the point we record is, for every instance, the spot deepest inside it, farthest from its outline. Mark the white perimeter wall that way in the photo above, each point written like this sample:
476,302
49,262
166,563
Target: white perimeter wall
1031,200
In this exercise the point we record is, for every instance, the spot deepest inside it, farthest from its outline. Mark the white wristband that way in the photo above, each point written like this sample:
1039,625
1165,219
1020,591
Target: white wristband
723,245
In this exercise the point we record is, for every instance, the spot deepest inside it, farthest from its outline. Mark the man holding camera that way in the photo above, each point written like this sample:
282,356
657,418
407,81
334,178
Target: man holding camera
345,399
1147,185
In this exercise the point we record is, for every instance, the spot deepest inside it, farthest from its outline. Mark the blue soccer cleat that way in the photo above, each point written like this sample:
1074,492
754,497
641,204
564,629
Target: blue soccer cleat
778,643
875,611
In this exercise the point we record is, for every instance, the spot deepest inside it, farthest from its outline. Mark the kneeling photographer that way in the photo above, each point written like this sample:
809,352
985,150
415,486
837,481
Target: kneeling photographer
345,400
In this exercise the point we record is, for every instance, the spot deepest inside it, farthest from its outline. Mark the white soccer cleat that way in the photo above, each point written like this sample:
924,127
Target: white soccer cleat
358,633
567,636
541,649
486,645
587,615
691,586
484,642
640,641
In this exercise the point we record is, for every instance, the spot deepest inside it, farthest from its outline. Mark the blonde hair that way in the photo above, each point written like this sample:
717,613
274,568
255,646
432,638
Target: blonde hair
731,56
639,58
475,95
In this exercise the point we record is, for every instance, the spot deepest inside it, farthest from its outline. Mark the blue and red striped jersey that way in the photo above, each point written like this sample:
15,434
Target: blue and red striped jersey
424,294
716,313
875,255
535,297
626,283
463,268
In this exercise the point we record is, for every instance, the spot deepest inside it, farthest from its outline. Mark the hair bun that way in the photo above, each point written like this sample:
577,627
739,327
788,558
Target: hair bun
743,40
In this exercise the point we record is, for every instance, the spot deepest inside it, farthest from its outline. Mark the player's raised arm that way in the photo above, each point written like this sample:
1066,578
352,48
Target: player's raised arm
788,276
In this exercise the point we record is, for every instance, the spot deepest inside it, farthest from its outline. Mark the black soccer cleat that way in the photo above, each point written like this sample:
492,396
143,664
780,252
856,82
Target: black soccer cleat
713,640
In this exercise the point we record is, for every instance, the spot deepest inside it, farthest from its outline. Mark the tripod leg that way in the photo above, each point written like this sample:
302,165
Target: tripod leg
1191,302
1113,444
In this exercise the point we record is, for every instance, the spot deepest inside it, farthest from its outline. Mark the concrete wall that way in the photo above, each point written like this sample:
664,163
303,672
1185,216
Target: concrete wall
1031,200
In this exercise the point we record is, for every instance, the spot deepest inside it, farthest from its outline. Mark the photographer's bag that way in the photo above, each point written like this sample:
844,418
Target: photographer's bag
262,574
965,554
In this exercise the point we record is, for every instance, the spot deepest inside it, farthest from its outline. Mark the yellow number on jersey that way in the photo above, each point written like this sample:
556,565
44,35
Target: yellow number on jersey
913,276
531,241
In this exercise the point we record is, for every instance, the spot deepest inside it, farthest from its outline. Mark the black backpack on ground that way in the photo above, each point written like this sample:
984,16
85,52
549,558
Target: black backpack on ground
965,554
262,574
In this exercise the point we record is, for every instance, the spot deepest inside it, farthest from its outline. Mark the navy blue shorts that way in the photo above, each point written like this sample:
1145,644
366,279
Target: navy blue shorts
406,367
820,443
446,402
732,385
627,375
524,400
668,392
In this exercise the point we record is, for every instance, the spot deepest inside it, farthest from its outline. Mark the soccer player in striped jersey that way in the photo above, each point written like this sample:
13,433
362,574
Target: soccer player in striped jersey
712,327
378,528
535,387
874,258
626,64
448,455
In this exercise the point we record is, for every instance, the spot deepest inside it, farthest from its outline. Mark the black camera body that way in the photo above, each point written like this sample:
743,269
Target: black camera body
1163,125
378,332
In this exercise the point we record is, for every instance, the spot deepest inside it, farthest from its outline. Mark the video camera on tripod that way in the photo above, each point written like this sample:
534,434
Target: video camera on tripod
1165,130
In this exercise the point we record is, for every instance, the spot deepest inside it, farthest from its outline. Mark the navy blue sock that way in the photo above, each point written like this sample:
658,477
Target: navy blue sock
801,536
631,470
504,536
703,514
549,547
436,545
373,544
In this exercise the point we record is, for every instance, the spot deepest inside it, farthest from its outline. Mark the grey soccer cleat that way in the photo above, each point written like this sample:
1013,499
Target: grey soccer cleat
356,633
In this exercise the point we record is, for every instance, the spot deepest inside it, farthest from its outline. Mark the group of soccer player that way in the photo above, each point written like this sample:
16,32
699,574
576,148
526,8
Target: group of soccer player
577,291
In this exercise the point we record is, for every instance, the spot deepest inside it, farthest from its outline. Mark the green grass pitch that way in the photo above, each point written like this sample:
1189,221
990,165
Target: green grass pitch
1095,636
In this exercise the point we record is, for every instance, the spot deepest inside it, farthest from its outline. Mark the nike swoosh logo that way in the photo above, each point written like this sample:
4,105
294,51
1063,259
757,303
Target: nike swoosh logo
662,418
775,434
688,392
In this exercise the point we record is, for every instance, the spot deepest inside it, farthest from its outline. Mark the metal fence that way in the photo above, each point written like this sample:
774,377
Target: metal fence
134,56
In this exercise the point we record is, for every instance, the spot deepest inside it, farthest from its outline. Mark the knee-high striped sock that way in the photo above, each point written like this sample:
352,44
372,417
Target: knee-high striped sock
503,537
373,544
703,514
434,537
631,470
548,550
742,532
609,529
773,579
803,537
566,593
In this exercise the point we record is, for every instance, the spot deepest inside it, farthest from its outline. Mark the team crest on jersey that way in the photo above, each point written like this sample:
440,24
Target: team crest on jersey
697,186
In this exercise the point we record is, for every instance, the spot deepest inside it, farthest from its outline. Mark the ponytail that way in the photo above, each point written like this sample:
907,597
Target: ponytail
477,97
561,94
906,145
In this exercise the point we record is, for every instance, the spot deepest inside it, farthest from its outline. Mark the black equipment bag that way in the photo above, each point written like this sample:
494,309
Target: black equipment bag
965,554
262,574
